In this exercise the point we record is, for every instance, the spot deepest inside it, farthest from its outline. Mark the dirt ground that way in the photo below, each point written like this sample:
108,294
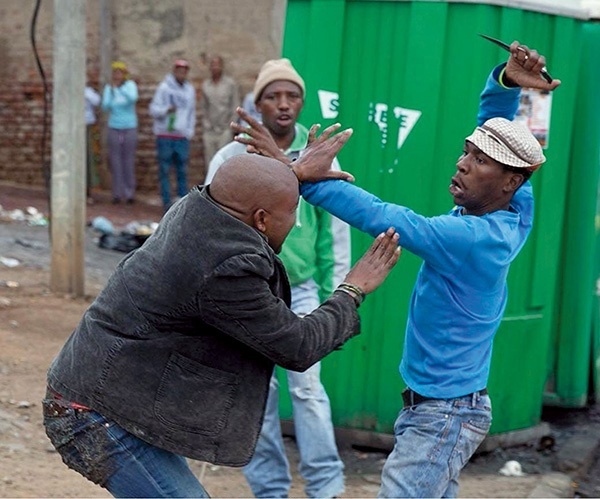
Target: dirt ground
34,323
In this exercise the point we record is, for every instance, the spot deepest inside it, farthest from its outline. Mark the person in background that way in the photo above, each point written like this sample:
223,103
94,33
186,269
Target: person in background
92,101
173,108
219,99
316,256
249,106
460,294
119,99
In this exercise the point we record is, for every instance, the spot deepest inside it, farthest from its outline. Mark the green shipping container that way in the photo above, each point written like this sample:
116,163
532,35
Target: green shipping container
575,347
406,76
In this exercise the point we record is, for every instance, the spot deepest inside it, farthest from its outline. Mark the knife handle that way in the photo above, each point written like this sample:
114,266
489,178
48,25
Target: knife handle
544,72
546,75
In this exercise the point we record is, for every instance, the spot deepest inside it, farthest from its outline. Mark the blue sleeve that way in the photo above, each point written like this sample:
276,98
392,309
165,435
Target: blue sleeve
129,90
497,101
522,202
441,241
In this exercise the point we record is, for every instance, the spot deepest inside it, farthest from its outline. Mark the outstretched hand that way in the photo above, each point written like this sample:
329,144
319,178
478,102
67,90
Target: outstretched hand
524,66
256,137
315,162
375,265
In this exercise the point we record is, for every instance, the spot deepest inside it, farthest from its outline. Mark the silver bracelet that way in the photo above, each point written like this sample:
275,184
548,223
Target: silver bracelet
354,296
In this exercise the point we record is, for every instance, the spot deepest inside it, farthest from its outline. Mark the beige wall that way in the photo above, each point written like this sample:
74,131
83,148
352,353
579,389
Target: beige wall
146,34
150,34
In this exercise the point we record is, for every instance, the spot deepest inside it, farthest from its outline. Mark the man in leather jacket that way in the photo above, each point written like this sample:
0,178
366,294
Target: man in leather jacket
174,356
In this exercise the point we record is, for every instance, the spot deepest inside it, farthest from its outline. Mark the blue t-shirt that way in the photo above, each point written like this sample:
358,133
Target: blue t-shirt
460,293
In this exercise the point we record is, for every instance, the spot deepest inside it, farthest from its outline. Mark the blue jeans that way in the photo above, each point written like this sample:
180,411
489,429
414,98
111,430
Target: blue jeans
173,152
268,472
109,456
434,440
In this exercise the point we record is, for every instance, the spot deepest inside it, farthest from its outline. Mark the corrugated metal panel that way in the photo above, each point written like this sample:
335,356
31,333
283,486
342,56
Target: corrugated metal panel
573,8
574,363
407,76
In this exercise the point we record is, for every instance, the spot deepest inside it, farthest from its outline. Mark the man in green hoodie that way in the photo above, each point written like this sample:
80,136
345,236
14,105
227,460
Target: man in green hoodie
316,255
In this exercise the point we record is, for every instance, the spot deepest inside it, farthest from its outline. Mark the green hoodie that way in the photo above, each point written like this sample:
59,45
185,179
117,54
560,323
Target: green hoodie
318,246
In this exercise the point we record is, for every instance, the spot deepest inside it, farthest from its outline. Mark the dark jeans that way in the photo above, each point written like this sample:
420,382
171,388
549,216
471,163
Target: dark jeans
172,152
106,454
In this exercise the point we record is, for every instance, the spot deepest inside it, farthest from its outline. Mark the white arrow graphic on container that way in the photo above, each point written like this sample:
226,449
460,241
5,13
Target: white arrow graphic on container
407,118
378,113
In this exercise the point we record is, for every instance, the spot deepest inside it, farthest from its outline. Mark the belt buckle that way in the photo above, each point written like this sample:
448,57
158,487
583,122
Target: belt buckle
54,409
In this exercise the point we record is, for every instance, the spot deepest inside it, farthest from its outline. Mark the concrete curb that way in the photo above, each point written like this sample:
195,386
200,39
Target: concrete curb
573,462
578,453
554,485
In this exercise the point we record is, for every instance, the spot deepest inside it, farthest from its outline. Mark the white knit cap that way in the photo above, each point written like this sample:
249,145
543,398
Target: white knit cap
508,142
274,70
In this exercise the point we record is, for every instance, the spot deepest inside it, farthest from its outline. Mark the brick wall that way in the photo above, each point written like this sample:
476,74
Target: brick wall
148,35
21,115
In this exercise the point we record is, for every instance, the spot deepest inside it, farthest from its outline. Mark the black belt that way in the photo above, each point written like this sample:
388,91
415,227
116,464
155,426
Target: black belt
410,397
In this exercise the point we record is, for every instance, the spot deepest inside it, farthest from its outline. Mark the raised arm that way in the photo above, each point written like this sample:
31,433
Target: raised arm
500,96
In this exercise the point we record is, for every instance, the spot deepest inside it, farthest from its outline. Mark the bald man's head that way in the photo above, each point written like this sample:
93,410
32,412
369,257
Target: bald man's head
259,191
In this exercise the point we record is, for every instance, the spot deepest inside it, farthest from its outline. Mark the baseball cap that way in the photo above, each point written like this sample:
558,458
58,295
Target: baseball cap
181,63
508,142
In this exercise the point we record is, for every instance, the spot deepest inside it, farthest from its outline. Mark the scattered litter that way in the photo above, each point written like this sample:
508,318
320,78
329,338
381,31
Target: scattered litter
30,215
141,228
9,262
9,284
29,244
13,323
24,404
40,221
129,239
4,302
103,225
546,443
35,217
123,242
511,468
16,215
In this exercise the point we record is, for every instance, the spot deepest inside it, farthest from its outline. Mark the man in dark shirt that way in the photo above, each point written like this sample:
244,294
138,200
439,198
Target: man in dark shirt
174,357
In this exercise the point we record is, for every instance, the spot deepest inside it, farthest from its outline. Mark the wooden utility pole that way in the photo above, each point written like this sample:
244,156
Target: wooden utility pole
105,41
68,148
106,54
